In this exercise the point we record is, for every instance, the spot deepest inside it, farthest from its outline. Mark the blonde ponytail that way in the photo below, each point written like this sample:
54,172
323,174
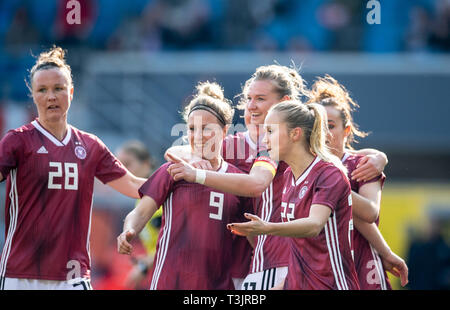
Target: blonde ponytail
317,139
312,119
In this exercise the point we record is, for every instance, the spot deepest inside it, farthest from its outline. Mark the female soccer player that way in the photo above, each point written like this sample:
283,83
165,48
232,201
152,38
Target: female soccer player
316,207
135,156
50,168
268,86
366,194
194,250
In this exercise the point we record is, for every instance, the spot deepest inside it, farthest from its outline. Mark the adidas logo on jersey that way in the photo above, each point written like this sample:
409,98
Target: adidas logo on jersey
42,150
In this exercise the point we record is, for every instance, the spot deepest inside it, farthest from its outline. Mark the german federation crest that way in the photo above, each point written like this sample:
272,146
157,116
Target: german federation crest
80,152
302,191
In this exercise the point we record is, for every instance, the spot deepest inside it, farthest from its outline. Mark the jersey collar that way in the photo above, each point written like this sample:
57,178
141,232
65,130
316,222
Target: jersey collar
305,174
51,137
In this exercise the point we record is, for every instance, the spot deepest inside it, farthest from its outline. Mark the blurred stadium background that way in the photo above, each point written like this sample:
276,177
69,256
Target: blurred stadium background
135,64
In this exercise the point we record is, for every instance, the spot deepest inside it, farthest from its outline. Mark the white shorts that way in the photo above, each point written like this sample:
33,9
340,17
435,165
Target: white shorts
35,284
265,279
237,283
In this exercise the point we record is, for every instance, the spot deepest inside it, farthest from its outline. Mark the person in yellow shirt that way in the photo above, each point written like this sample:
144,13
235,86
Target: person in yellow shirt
135,156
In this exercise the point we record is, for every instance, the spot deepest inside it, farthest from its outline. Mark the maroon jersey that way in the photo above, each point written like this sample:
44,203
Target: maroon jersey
49,198
369,267
325,261
269,251
194,248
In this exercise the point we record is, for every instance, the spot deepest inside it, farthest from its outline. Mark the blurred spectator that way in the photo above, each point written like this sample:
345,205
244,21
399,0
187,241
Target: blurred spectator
73,34
244,22
184,24
440,33
420,26
428,258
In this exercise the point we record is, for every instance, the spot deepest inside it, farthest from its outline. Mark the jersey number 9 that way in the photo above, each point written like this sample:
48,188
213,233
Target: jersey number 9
216,200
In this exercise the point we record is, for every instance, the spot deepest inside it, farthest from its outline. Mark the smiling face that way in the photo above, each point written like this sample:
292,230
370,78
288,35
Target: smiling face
52,94
338,132
205,134
261,95
276,136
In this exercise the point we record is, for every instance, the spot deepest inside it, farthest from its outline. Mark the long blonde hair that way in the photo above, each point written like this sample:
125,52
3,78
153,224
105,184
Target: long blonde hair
312,119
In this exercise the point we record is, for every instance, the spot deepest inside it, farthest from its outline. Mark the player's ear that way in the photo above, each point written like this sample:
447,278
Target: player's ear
285,98
225,130
71,92
347,130
296,134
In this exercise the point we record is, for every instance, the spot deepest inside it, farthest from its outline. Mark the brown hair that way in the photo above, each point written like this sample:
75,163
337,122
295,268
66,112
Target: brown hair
286,81
210,96
312,119
53,58
328,92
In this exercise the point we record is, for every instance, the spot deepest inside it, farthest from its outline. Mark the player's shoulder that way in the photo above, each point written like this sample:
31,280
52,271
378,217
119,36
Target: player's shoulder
84,134
350,161
325,169
87,139
351,158
18,134
22,130
229,168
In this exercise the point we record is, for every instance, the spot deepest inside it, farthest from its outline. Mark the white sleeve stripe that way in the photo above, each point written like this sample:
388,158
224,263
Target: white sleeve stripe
163,243
334,254
330,252
14,210
379,267
338,251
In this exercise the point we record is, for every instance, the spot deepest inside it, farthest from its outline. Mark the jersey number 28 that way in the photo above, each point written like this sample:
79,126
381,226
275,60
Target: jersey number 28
70,175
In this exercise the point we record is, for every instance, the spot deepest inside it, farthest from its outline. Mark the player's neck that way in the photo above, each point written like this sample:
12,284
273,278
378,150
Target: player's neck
338,153
299,160
56,128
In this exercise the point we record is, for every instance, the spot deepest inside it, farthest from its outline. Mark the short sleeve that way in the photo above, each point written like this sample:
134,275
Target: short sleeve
263,160
109,168
158,186
331,186
10,150
381,177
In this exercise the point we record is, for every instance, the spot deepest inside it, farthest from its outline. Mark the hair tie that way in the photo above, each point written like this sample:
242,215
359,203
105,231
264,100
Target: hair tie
210,110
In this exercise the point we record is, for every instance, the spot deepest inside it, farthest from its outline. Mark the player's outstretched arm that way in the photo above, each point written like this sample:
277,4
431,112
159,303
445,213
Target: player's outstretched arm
1,177
135,222
370,166
128,185
391,261
307,227
240,184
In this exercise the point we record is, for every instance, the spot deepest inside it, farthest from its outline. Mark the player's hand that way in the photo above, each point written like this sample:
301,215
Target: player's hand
194,161
201,164
123,242
369,167
254,227
397,266
180,169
